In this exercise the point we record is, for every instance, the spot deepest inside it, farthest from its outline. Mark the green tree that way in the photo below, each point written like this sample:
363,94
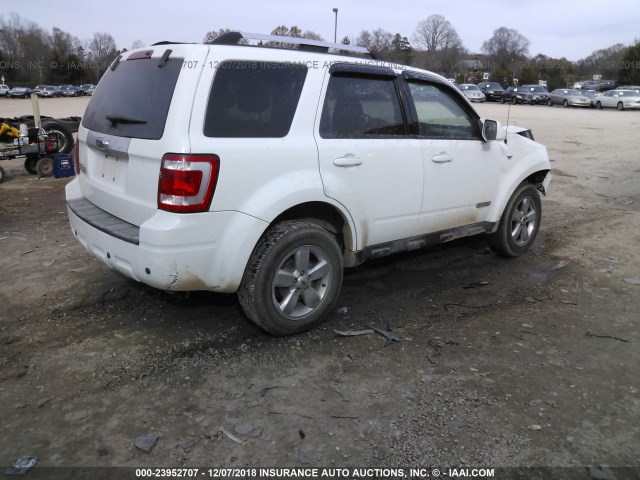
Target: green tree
629,74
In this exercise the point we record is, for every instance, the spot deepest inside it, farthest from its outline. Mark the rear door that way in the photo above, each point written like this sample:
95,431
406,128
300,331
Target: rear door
367,160
140,110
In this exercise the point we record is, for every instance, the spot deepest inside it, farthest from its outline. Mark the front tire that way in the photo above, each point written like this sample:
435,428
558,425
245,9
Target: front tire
566,104
519,224
598,106
620,106
293,278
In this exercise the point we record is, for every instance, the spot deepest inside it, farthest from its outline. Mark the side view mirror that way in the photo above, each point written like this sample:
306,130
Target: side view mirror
493,130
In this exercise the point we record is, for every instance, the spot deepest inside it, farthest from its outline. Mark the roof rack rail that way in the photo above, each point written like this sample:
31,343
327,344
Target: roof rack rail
233,38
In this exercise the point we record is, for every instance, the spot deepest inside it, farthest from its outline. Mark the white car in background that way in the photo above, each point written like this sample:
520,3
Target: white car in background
620,99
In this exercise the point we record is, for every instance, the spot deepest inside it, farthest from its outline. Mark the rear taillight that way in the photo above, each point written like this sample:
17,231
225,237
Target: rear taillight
187,182
75,157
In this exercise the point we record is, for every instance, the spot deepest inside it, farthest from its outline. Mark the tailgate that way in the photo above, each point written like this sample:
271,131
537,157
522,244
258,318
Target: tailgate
140,111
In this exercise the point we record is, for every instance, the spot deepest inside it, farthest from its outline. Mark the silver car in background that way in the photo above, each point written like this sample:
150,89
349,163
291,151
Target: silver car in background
568,97
472,92
620,99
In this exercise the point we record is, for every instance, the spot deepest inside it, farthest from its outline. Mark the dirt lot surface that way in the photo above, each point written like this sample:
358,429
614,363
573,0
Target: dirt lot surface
526,362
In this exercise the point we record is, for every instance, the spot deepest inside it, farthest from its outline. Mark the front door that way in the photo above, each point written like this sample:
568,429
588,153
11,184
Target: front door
461,170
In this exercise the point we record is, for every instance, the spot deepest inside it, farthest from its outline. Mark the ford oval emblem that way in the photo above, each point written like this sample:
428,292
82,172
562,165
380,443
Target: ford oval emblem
102,143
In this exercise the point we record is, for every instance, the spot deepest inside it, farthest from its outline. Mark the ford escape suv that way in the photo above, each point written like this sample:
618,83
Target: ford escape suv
265,171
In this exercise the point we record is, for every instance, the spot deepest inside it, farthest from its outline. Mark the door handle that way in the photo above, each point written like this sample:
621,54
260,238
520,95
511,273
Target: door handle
347,161
442,158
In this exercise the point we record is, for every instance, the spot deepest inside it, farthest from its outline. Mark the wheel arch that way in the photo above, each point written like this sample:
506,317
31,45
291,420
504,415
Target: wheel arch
327,216
535,177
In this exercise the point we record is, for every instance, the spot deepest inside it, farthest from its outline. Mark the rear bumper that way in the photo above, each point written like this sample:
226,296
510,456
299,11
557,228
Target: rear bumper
179,252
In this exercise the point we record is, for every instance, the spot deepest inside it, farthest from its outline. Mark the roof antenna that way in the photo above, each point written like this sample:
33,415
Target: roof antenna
506,133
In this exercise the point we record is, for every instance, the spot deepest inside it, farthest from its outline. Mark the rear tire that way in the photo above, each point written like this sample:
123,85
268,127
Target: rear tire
44,167
620,106
598,105
566,104
62,133
549,103
519,224
293,278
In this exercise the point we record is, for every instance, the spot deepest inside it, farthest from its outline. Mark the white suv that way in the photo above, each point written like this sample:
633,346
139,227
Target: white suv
265,171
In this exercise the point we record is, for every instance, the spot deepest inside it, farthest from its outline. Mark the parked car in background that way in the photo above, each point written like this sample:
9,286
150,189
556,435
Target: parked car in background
600,85
568,97
630,87
4,90
37,89
82,89
539,93
493,91
618,98
472,92
47,91
69,91
518,95
90,90
590,94
20,92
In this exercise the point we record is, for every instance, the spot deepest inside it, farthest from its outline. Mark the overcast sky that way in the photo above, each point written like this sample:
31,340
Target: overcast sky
558,28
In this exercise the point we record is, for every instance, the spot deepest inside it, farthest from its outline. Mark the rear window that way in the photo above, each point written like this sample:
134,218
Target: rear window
253,99
133,99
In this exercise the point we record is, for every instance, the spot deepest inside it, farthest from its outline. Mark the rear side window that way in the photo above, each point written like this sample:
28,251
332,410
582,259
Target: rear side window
361,107
253,99
133,98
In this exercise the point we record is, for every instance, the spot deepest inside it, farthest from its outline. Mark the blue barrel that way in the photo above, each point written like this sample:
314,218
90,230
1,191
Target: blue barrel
63,166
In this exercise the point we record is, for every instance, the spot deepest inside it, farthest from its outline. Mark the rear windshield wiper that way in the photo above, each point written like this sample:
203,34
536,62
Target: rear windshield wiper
116,119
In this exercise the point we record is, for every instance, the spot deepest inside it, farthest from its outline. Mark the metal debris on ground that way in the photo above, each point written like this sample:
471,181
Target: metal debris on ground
602,473
353,333
560,265
231,436
392,337
21,466
343,310
631,281
588,333
146,443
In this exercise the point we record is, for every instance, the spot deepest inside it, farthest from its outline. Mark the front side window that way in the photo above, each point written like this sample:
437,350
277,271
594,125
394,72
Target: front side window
253,99
361,107
440,115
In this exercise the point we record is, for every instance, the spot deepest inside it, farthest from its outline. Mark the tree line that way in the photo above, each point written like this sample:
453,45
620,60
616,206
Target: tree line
30,55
